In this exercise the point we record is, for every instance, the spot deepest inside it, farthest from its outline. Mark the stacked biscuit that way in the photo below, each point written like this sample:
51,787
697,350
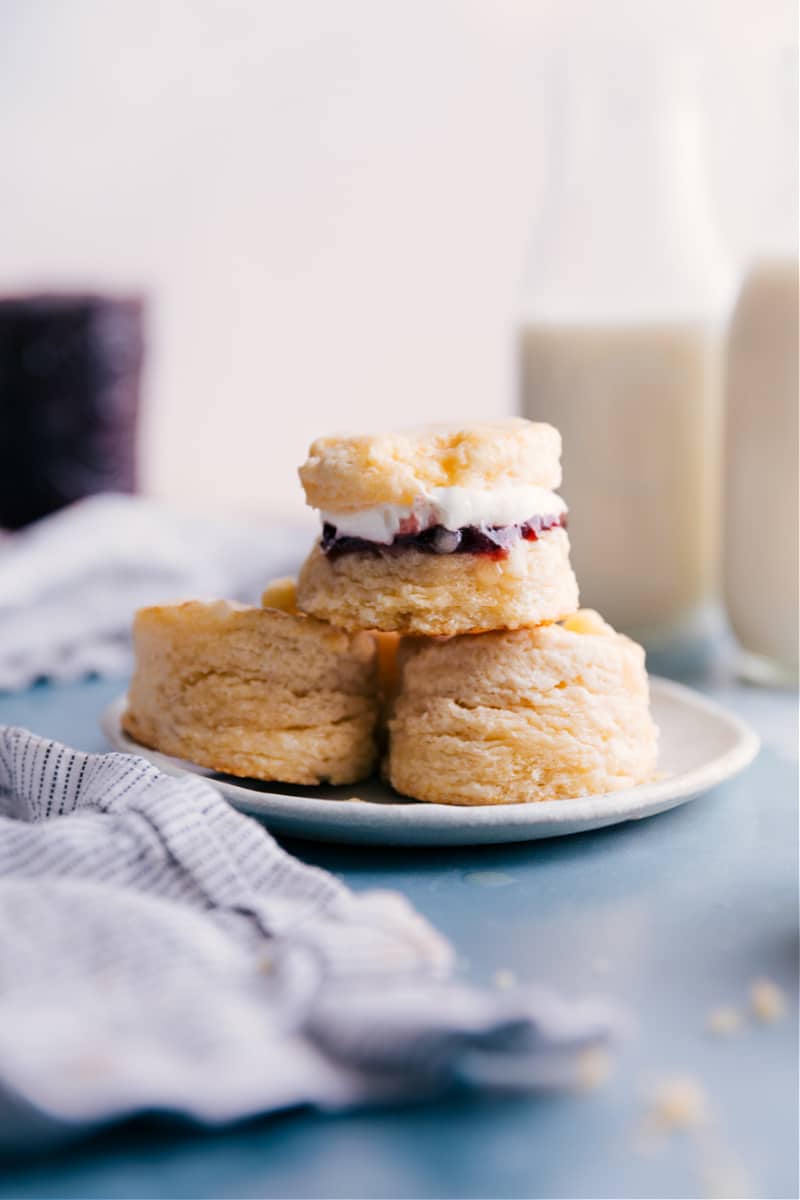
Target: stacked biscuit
443,561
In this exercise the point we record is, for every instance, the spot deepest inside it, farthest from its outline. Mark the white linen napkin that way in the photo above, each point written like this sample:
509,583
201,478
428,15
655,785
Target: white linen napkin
70,584
159,951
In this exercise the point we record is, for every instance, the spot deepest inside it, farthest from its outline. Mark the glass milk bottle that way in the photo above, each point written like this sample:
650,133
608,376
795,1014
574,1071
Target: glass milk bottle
619,341
760,494
761,486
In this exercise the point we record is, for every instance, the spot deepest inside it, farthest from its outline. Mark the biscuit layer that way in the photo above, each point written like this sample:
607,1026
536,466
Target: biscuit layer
421,593
259,693
508,718
348,473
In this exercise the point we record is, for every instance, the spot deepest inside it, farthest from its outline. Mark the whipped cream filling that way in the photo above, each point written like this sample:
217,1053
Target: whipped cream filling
453,508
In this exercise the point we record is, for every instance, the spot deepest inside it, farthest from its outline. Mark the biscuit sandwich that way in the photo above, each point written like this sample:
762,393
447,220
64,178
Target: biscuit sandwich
438,531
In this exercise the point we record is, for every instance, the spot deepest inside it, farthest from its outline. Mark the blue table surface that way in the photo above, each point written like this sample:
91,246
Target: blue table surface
671,916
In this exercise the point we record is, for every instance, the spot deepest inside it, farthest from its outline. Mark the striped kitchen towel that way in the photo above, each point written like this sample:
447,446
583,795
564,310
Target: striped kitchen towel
160,952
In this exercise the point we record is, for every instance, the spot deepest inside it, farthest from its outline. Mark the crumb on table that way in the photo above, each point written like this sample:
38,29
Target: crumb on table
679,1103
594,1066
724,1021
767,1000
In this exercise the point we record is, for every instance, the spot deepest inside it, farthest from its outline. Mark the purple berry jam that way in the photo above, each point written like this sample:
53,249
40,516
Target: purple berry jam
493,541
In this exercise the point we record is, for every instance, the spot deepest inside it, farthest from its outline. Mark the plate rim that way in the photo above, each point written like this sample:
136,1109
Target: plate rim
608,807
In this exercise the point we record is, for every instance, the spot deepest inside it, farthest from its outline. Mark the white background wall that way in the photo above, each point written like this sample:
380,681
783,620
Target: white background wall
329,201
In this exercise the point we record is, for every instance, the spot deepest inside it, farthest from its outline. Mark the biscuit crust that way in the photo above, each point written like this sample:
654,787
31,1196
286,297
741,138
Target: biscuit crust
413,592
531,715
254,692
349,473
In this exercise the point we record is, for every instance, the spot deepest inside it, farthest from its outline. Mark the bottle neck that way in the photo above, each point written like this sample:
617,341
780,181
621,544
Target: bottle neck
625,229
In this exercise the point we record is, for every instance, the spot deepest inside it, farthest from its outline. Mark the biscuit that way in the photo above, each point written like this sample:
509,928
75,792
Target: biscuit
259,693
419,593
281,593
345,473
507,718
443,530
388,677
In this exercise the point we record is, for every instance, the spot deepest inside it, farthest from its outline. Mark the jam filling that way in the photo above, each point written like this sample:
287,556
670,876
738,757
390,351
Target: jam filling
493,541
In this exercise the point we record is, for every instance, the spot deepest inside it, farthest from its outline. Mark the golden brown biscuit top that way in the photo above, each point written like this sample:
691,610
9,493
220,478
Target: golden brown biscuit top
346,473
215,619
584,645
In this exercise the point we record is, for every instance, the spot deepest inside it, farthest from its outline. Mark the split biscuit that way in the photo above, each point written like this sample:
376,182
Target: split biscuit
441,530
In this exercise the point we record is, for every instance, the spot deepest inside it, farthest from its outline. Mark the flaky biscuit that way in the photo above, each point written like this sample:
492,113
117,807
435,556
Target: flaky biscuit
259,693
347,473
414,592
536,714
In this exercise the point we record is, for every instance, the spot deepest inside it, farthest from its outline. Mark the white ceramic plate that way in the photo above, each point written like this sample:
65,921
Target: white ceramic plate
701,745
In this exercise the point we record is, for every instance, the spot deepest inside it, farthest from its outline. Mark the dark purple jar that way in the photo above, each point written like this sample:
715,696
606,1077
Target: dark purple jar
70,378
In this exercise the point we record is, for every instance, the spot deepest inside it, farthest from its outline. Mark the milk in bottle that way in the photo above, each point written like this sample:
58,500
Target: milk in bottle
619,347
761,477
